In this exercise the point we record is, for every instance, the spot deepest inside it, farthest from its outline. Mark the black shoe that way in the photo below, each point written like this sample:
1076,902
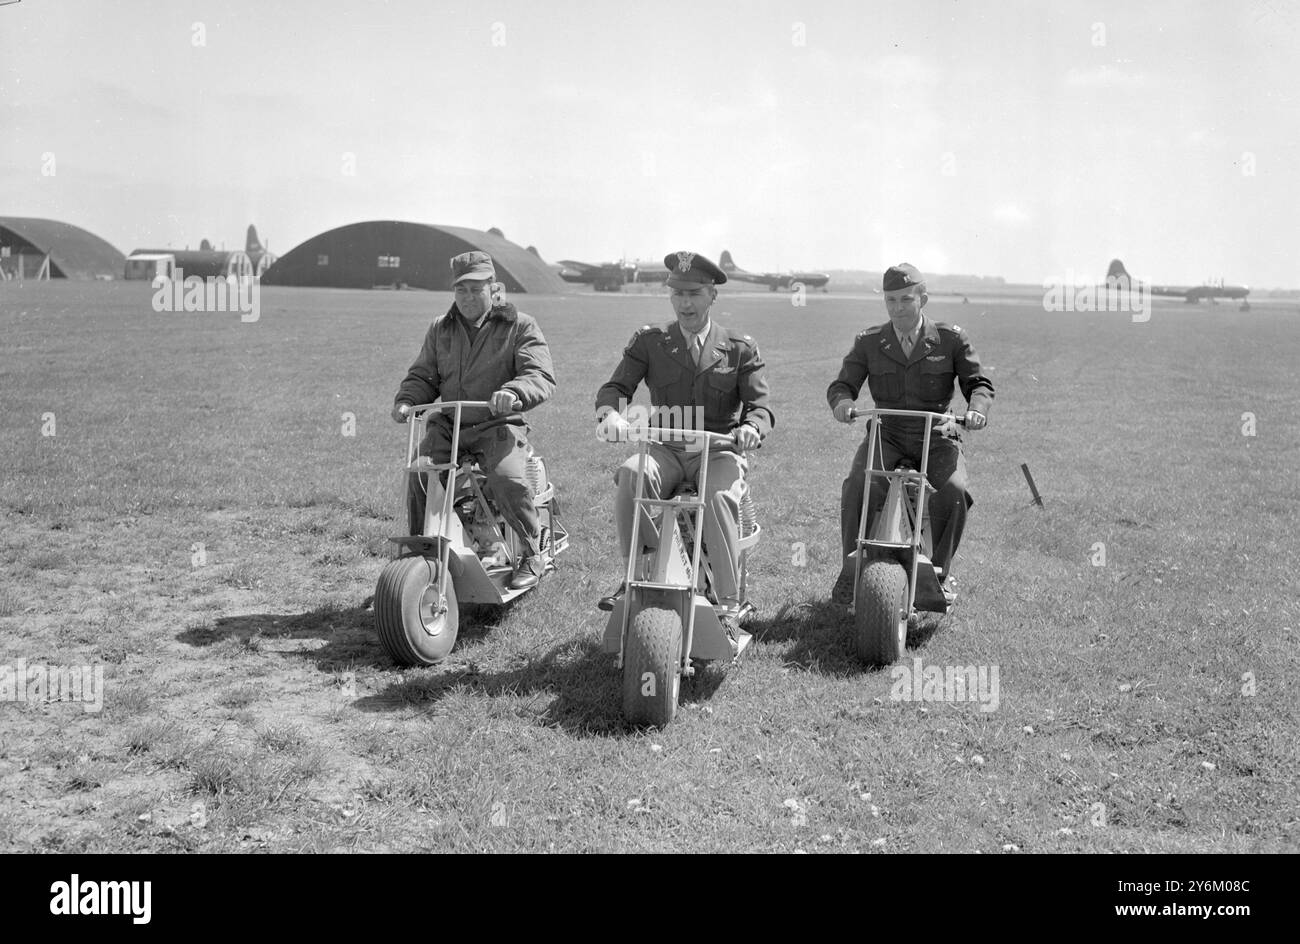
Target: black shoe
842,592
528,572
608,603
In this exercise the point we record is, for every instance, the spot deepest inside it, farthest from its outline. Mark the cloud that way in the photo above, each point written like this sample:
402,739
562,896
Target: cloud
1011,214
906,71
1106,76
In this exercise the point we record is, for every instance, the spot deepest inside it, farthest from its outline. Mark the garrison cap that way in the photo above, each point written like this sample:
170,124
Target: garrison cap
690,268
903,275
472,265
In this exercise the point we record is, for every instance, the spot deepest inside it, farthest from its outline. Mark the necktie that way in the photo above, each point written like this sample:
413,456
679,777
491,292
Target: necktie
907,344
697,347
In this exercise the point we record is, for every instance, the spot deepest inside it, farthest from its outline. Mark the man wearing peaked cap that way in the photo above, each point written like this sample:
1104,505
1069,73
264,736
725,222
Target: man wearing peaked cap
690,268
910,363
483,349
701,375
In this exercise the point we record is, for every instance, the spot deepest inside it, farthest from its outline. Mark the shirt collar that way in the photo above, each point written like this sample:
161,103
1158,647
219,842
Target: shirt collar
703,334
918,330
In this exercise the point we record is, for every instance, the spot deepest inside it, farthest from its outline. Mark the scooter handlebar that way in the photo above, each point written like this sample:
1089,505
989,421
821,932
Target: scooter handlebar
419,408
658,435
909,414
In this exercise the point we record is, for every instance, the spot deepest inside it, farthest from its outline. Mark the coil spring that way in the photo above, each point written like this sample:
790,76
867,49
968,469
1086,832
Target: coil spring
748,514
535,474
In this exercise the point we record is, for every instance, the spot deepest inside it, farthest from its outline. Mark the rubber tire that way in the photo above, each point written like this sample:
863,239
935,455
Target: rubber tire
402,617
881,615
654,646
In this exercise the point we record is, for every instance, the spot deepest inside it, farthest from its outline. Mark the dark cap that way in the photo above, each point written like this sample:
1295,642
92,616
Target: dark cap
690,268
472,265
903,275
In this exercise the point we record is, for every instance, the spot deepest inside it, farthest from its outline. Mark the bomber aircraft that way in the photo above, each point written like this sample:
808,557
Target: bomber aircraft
773,280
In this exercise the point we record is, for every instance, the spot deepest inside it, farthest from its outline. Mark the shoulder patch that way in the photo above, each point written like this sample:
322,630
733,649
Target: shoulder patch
648,330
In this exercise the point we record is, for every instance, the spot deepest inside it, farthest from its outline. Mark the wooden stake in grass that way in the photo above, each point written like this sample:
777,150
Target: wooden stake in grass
1038,499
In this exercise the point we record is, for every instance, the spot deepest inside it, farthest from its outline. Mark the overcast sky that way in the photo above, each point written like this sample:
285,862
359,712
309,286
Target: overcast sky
1021,139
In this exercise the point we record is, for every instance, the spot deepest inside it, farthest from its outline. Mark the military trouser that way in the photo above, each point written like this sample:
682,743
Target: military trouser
665,469
502,454
947,506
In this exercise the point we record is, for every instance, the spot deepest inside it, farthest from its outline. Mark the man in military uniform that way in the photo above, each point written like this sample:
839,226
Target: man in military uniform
701,376
482,349
910,364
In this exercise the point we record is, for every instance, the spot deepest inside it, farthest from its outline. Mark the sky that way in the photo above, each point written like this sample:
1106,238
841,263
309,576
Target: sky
1027,140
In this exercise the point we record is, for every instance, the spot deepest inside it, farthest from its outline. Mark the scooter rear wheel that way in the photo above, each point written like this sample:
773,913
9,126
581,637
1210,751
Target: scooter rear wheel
880,618
413,629
652,667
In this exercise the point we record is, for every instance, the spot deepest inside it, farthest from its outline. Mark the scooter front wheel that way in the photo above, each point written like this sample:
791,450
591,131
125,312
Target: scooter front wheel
652,667
414,626
880,618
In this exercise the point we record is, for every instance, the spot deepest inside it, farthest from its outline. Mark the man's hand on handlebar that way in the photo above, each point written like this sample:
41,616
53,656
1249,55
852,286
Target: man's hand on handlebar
976,420
747,437
612,427
401,412
503,401
844,411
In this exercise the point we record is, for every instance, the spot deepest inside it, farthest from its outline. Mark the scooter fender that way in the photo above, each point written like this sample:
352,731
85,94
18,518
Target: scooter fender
709,641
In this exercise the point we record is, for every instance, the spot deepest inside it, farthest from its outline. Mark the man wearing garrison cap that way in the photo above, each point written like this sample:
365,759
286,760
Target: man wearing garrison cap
483,349
701,375
910,363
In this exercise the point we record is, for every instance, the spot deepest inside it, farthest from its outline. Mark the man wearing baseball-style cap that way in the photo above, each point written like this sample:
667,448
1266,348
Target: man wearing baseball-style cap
511,369
910,363
701,375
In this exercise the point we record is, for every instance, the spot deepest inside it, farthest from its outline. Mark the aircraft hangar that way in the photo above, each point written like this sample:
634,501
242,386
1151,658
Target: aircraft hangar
395,254
73,252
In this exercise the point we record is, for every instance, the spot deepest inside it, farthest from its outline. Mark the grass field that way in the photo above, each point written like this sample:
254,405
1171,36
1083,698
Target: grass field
194,520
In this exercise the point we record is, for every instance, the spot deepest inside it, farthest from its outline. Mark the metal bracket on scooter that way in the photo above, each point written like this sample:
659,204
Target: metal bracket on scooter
422,545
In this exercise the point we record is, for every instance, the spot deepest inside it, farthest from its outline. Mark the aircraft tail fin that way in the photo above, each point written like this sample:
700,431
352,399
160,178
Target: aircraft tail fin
1117,272
205,246
726,263
252,243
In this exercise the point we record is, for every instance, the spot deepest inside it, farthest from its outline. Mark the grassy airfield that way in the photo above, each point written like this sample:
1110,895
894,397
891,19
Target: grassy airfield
205,515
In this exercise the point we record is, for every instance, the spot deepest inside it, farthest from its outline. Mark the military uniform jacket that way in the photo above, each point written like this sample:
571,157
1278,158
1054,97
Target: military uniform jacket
921,381
729,384
508,353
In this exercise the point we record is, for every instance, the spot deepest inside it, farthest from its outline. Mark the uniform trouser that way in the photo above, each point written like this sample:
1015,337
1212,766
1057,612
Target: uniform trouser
947,505
502,454
724,488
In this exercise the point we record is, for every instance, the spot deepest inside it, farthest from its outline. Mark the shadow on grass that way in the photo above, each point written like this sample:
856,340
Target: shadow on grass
348,634
578,677
824,636
582,679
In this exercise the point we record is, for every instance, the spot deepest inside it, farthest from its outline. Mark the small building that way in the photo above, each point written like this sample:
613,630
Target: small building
205,263
150,265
